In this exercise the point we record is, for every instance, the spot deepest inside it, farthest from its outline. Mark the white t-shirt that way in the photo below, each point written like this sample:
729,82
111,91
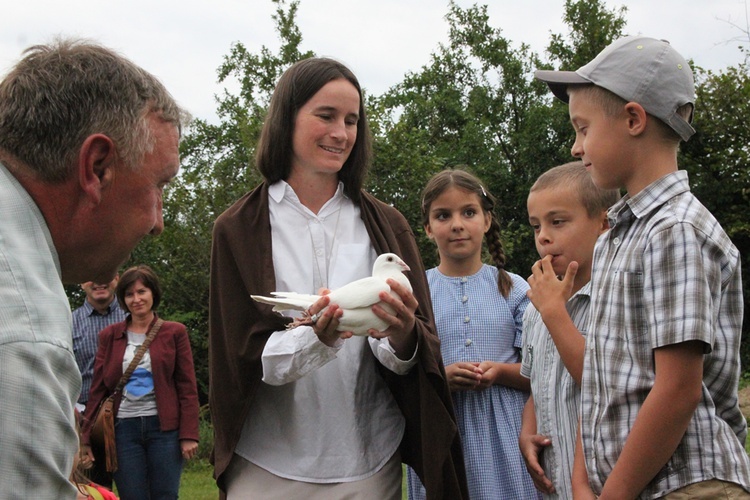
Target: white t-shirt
138,396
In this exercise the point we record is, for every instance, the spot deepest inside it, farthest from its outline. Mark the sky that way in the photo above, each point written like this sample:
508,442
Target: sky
183,43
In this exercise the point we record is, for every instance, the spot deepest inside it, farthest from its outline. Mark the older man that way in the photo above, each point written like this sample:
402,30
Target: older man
88,140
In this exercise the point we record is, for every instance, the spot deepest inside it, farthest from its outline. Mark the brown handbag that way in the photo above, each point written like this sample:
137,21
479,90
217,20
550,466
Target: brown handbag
103,429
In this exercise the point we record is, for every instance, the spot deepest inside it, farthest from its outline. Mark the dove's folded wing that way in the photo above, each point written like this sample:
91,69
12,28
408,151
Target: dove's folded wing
360,293
360,320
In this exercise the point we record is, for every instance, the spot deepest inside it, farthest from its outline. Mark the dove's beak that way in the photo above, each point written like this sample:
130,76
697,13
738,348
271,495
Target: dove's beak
404,267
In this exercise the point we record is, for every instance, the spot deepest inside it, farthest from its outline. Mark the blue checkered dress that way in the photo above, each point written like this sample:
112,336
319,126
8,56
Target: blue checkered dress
476,323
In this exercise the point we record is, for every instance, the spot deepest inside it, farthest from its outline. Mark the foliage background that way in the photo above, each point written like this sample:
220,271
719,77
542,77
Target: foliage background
474,103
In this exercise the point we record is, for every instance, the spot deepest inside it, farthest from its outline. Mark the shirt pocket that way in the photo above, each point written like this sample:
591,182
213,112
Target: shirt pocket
629,314
352,262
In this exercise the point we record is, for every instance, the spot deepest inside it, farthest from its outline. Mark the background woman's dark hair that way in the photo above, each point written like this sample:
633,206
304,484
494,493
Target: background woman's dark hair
295,87
148,278
462,179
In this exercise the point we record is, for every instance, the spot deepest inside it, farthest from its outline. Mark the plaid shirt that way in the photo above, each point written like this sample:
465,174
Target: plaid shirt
87,323
665,273
39,380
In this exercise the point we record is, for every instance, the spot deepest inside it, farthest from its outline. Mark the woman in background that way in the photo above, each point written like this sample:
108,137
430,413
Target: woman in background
156,425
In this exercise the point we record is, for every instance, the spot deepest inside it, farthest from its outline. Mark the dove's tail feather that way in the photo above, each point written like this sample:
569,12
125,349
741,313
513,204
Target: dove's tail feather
285,301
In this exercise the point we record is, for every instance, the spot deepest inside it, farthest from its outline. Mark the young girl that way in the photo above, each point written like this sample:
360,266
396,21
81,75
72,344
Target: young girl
478,313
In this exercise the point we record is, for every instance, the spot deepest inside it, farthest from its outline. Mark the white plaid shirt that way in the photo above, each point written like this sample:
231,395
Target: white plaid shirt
39,379
665,273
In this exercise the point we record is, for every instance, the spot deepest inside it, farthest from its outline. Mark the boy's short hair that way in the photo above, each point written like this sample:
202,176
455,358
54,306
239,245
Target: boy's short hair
574,176
637,69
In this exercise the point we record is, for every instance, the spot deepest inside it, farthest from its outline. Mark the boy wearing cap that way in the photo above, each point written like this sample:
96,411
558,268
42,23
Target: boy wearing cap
660,410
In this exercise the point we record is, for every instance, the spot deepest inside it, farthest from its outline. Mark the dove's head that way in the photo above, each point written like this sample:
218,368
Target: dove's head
389,263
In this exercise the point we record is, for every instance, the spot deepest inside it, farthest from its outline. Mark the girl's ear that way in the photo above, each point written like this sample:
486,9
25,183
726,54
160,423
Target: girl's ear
487,221
428,231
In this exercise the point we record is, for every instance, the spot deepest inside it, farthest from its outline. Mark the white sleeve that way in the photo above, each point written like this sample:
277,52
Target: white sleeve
291,354
387,356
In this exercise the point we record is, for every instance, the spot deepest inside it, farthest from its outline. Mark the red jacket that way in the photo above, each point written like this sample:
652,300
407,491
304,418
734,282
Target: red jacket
172,368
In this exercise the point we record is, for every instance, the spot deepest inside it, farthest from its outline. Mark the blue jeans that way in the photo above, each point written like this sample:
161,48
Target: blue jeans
149,460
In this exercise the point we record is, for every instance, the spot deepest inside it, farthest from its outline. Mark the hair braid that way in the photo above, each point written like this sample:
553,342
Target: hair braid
495,247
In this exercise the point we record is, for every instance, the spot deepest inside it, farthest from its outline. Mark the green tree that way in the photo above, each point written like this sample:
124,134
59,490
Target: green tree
217,169
717,159
477,104
474,103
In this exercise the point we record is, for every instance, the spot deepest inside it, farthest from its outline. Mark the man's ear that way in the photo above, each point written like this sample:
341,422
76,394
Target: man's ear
637,118
96,165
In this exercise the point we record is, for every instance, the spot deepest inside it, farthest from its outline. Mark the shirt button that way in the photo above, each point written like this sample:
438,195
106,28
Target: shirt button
468,342
467,319
616,241
464,298
318,252
464,279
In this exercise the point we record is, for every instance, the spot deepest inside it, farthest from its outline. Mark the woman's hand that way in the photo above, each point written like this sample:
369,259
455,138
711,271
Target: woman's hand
327,322
401,332
86,457
189,448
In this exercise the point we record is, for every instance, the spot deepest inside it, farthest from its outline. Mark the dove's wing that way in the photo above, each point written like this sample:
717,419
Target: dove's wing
285,301
360,293
360,320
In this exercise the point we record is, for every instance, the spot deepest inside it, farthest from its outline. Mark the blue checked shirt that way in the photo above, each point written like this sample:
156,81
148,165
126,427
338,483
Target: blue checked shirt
665,273
87,323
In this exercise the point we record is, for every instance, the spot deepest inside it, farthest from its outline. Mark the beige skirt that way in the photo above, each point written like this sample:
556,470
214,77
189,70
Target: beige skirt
247,481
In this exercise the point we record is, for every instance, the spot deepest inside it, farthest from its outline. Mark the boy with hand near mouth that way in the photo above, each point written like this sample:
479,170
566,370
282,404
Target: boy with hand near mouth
568,213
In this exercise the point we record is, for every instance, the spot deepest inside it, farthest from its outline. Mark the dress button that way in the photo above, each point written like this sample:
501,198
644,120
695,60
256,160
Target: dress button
467,343
464,279
467,319
464,298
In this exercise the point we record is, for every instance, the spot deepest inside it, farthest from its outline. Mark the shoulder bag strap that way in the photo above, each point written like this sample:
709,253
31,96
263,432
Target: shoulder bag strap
138,355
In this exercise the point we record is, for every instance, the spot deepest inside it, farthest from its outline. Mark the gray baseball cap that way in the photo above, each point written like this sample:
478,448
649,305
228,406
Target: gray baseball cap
638,69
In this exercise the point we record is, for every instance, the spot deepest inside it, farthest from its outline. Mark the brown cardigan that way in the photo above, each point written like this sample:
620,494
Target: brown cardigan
242,264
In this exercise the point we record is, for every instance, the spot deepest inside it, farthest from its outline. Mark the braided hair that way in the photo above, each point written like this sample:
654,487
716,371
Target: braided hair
462,179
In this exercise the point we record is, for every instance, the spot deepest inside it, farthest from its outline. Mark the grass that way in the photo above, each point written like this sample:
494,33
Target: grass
197,482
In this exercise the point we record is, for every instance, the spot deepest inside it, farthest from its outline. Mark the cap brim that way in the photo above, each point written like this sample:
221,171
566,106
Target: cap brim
559,81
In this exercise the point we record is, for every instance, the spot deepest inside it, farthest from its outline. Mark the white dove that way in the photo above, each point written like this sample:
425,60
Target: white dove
355,299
